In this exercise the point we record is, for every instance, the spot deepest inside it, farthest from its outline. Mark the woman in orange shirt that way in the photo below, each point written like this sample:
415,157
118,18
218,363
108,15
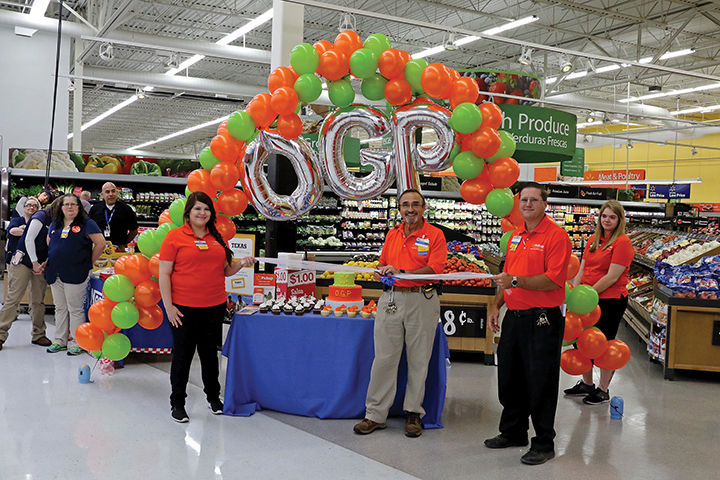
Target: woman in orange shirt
194,261
605,266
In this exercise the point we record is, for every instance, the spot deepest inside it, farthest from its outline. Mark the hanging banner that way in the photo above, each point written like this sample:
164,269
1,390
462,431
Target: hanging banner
542,135
614,175
678,190
575,167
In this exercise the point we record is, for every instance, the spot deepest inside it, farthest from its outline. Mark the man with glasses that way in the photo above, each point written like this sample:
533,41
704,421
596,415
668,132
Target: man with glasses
532,285
407,314
19,277
116,219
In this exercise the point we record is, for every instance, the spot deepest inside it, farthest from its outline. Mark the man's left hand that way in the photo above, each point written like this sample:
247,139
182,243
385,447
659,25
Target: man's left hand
503,280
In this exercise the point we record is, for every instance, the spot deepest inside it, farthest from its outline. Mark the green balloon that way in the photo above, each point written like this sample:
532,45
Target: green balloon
304,58
118,288
377,42
341,93
413,72
148,243
176,210
567,343
582,299
467,165
507,146
454,152
187,191
373,87
466,118
308,87
500,202
241,125
163,230
568,289
363,63
504,240
116,346
207,159
96,353
124,315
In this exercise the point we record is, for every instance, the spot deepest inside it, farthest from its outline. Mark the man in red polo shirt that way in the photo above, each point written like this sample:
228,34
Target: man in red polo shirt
407,314
532,285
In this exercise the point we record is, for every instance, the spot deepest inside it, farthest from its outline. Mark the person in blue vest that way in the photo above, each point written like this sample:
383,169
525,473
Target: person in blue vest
75,242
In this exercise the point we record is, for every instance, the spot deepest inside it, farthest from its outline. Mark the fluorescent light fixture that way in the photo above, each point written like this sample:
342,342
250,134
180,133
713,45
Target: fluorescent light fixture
589,124
186,64
710,108
667,55
39,7
106,114
471,38
672,93
251,25
181,132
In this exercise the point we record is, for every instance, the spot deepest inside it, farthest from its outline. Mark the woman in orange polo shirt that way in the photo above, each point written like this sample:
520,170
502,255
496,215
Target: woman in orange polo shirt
605,266
194,261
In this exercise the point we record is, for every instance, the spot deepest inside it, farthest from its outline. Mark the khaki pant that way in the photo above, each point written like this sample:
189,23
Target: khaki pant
19,277
413,324
69,313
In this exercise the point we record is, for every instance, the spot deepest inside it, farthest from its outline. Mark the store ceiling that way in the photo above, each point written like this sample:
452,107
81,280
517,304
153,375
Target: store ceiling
622,30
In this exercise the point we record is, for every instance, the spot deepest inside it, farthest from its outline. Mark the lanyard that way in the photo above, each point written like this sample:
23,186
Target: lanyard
109,219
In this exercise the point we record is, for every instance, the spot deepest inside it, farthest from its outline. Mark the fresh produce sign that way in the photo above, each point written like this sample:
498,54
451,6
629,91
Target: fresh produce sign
541,134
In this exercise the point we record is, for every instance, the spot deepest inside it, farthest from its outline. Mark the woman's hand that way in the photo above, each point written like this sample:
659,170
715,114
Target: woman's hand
174,315
247,261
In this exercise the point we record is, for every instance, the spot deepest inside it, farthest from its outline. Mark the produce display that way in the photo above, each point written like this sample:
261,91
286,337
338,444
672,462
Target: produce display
466,262
367,261
700,280
670,247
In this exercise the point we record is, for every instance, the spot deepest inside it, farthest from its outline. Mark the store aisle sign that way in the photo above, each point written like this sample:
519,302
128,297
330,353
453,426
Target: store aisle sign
575,167
242,245
463,321
614,175
678,190
542,135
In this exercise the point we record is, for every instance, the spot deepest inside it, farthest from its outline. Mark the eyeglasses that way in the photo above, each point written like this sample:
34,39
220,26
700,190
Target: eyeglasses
32,205
74,205
413,204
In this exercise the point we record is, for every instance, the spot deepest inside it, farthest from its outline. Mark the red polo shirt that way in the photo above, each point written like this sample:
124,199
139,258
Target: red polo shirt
544,250
424,247
597,264
198,276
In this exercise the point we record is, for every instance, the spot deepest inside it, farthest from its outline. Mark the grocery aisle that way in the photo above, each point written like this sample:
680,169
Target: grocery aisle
120,428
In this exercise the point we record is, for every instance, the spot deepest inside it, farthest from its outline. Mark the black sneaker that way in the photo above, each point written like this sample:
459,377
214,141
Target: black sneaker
579,390
179,414
597,397
537,457
216,407
501,441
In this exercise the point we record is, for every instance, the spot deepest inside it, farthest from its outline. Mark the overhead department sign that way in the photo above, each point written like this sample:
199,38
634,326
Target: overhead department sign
542,135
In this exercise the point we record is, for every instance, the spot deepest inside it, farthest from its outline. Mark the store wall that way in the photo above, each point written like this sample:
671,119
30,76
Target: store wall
26,91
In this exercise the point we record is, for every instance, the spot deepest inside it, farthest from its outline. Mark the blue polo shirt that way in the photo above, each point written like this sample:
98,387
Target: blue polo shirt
13,239
70,258
41,247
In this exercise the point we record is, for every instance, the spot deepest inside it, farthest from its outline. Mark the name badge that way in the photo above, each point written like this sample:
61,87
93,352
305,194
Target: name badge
107,232
201,244
423,246
514,242
65,232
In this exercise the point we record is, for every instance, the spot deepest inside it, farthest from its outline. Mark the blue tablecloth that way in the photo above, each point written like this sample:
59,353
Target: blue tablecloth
315,366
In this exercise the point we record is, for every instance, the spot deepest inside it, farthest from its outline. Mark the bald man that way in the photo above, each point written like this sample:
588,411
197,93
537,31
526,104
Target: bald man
116,219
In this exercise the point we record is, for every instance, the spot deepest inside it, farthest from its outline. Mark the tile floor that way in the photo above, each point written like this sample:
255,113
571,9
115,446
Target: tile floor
119,427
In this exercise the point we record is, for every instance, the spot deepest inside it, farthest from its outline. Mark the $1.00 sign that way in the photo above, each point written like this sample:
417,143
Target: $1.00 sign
463,321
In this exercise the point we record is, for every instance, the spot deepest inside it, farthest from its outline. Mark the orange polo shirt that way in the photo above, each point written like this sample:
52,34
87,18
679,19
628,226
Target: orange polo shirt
544,250
597,264
424,247
198,276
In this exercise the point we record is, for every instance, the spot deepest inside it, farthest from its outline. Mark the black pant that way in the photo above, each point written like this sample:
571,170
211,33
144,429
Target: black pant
611,312
202,328
529,373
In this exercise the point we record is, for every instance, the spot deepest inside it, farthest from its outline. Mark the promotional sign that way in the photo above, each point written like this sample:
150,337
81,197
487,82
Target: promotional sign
593,193
296,283
242,245
264,288
678,190
428,183
463,321
707,207
575,167
541,135
614,175
562,191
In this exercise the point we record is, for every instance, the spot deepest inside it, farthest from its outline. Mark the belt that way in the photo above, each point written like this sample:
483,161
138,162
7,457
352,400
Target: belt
533,311
408,289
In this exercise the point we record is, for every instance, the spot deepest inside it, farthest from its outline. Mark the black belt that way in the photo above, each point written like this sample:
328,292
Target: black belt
425,288
533,311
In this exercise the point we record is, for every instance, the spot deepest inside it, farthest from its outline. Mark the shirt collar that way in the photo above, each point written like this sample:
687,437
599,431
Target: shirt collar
541,228
187,230
422,230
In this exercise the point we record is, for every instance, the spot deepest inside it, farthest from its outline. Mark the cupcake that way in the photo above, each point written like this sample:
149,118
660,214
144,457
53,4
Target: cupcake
288,309
299,310
326,311
352,311
374,311
276,309
365,312
339,311
317,308
264,307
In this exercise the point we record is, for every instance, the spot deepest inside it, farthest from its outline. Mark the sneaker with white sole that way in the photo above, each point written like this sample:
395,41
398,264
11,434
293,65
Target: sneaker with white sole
579,390
179,414
597,397
216,407
56,347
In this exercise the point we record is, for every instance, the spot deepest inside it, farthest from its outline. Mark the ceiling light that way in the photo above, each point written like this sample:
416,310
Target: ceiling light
667,55
526,56
346,23
590,118
510,25
449,43
39,7
181,132
629,144
106,114
140,93
711,108
693,151
672,93
105,52
565,64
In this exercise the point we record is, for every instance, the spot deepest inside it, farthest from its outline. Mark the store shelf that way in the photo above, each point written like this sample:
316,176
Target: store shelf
99,177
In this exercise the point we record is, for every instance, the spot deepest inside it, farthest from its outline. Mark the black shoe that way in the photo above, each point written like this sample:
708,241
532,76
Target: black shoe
579,390
216,407
536,457
501,441
597,397
179,414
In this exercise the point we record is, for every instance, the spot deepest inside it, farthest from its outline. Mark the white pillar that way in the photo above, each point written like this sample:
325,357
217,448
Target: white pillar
77,99
287,31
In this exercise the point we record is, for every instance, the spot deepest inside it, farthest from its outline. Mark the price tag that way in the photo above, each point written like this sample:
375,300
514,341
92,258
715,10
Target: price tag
463,321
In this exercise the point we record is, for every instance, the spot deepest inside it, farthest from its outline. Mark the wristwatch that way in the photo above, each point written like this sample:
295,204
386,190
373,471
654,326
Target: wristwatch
401,271
514,282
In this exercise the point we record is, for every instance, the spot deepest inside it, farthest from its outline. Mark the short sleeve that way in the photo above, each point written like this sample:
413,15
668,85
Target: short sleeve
558,257
383,260
588,244
169,247
623,253
92,227
438,252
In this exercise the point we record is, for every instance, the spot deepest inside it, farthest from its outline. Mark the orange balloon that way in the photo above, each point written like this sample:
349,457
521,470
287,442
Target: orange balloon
475,190
616,356
135,267
150,317
333,65
199,181
119,262
323,46
99,315
154,265
164,217
463,90
284,101
507,225
398,91
504,172
260,110
592,343
226,148
89,336
436,81
491,114
405,57
281,77
232,202
573,267
226,227
222,129
347,42
515,216
454,74
485,142
574,363
573,326
224,175
147,293
392,64
290,126
590,319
